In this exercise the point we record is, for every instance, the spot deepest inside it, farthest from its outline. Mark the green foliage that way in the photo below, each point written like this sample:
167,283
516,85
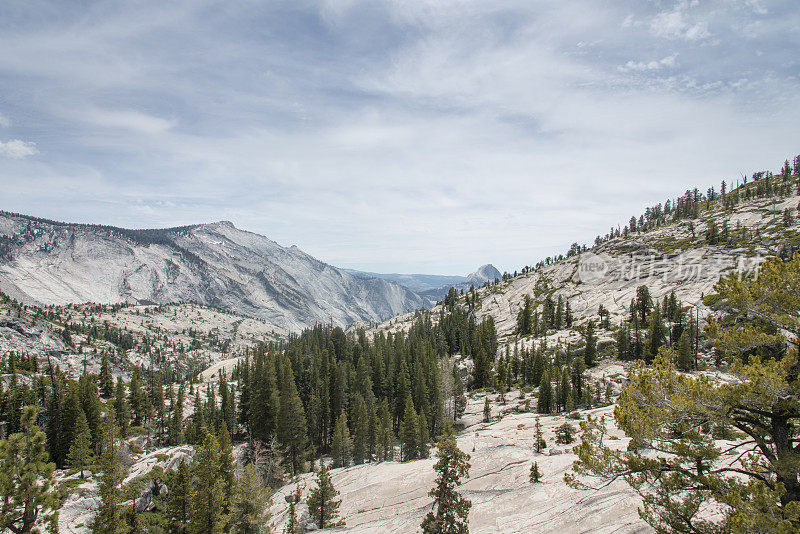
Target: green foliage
565,434
208,492
80,452
250,504
26,479
451,509
535,474
108,519
322,503
342,447
675,415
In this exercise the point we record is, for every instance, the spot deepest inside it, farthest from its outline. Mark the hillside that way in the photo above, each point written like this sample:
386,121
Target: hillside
44,262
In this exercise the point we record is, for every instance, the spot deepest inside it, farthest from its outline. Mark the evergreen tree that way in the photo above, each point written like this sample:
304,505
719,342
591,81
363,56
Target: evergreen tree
292,429
342,446
26,479
80,452
105,379
424,435
685,356
361,434
322,503
386,435
108,520
178,499
251,501
264,402
409,431
590,352
487,410
208,493
292,524
538,437
545,401
535,475
451,509
226,469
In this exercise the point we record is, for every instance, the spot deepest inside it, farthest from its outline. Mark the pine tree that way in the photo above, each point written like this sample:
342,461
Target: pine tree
565,434
226,469
386,435
538,437
535,475
108,520
545,401
487,410
342,444
292,524
685,356
409,431
452,510
26,479
361,434
590,352
251,501
178,499
106,380
80,452
292,430
424,436
322,503
208,496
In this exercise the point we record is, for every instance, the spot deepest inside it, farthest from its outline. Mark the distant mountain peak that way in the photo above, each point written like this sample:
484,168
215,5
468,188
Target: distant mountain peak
485,273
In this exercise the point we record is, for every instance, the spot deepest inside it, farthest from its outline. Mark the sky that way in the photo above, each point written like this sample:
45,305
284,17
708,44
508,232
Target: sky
407,136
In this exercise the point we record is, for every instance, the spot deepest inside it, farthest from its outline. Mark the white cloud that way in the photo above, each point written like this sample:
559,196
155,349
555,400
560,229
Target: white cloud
666,62
132,120
673,24
5,122
17,149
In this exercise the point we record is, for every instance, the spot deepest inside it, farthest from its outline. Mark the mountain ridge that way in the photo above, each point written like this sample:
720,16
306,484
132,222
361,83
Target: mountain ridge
216,264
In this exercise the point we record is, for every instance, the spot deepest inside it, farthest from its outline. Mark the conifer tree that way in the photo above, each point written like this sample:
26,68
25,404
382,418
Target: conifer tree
108,520
386,436
208,494
105,379
535,475
322,503
451,509
409,431
80,452
590,352
292,430
545,401
178,499
487,410
226,469
26,479
292,524
250,505
342,444
538,437
424,436
361,434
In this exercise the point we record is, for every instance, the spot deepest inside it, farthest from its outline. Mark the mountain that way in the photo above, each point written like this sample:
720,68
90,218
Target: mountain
485,273
415,282
218,265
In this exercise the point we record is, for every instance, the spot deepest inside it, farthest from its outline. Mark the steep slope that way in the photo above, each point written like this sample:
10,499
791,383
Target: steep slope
44,262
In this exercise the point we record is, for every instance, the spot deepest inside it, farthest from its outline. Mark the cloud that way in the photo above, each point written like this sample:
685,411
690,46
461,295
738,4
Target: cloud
666,62
17,149
135,121
673,24
425,136
5,122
